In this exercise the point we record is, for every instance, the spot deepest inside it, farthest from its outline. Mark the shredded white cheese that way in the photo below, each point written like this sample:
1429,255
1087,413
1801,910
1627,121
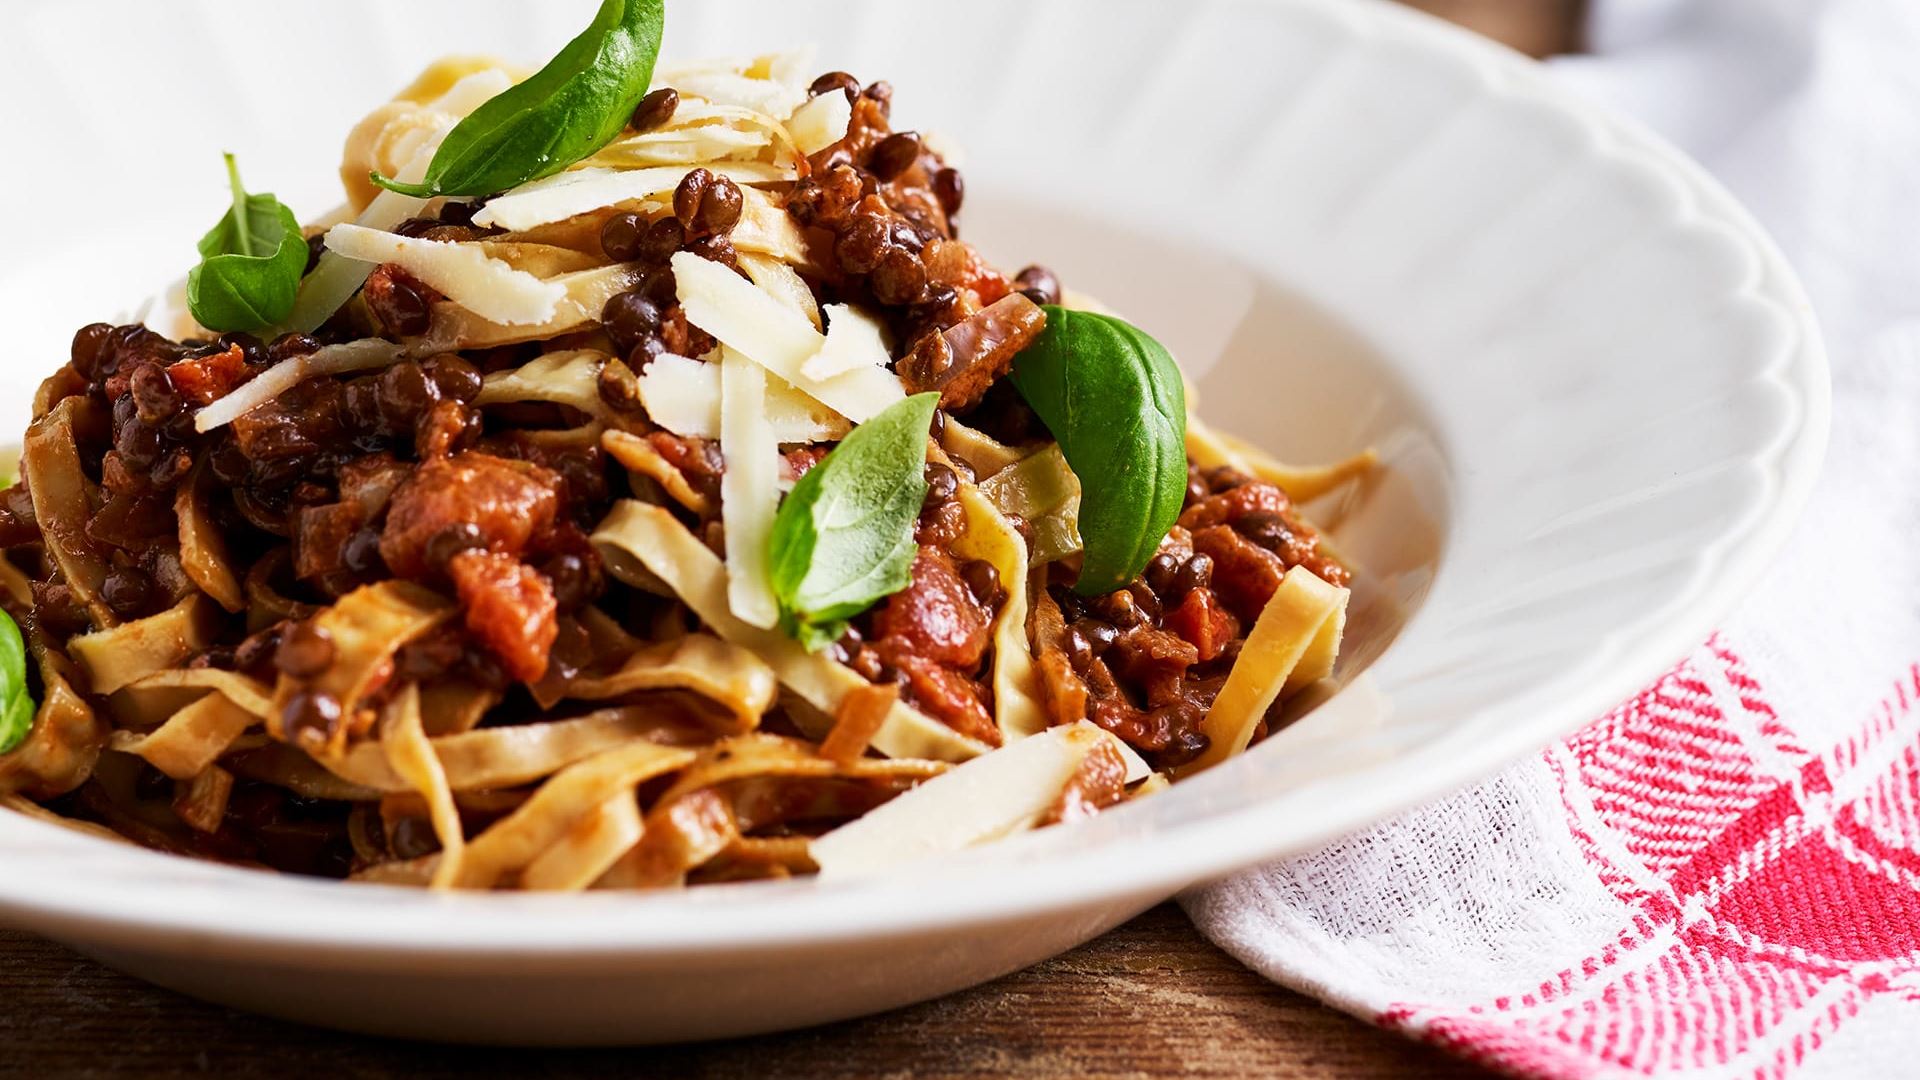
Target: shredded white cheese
749,489
361,355
776,337
854,341
683,396
467,275
820,123
569,194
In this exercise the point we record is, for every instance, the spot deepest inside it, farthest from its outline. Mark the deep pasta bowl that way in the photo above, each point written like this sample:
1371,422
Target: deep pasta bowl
1596,390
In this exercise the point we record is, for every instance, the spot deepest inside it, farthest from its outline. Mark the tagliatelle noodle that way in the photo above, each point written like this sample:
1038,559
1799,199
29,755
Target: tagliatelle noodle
127,653
1293,643
650,535
516,840
193,739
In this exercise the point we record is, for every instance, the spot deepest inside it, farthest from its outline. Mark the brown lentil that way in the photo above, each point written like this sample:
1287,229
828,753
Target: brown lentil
894,155
950,189
655,110
835,80
306,650
621,236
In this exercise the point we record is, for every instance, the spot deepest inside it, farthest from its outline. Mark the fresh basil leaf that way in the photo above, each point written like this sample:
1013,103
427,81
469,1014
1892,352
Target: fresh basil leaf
16,705
843,539
250,263
1112,397
566,111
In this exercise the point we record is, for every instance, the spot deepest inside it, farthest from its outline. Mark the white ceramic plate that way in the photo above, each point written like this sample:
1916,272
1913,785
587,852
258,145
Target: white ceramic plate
1599,394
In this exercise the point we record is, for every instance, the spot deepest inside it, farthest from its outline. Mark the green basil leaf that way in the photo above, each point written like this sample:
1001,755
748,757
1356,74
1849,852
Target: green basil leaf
250,263
1113,398
565,112
843,539
16,705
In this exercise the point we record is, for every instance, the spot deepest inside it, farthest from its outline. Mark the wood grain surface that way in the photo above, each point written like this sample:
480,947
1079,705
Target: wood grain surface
1152,998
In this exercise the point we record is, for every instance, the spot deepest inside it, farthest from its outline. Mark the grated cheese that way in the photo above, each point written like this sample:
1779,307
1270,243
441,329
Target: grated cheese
776,337
467,275
749,489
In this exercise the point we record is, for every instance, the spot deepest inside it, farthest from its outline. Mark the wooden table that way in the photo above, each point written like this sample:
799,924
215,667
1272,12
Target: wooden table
1152,998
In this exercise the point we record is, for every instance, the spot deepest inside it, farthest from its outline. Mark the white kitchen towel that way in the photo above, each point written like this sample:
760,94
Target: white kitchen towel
1722,877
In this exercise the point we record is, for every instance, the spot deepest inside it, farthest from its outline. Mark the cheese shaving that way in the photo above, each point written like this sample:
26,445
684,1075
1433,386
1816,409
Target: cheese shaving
580,191
780,281
363,355
855,341
749,489
683,396
468,276
776,337
776,99
820,123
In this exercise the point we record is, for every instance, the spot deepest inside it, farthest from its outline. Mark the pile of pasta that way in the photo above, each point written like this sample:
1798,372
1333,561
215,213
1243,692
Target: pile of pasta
669,774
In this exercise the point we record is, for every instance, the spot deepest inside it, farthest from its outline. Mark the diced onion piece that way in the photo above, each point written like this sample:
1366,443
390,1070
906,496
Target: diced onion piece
1293,643
775,336
854,341
1036,486
363,355
683,396
467,275
986,455
565,378
820,123
749,489
566,194
651,535
992,796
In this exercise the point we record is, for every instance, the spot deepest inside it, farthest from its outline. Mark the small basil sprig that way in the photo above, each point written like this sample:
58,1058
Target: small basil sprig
1113,398
250,263
16,705
843,538
565,112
